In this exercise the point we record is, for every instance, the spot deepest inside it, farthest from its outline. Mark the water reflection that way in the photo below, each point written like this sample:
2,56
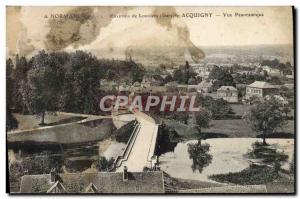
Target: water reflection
199,153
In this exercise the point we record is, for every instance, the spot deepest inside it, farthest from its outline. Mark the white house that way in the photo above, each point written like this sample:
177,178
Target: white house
228,93
205,86
260,89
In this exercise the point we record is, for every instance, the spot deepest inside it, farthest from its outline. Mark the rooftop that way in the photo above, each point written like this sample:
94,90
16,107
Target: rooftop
261,84
101,182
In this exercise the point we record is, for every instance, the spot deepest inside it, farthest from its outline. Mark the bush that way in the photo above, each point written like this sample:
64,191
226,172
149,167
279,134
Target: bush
105,164
219,108
123,134
167,139
268,154
253,175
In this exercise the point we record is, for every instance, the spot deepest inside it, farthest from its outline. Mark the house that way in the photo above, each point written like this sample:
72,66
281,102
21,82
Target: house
101,182
205,86
260,89
152,80
202,70
272,71
228,93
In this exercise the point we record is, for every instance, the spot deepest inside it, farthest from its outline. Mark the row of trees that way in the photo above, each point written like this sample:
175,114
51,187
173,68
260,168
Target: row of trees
62,81
285,68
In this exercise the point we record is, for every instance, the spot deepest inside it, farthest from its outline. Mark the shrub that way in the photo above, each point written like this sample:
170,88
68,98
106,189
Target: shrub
253,175
123,134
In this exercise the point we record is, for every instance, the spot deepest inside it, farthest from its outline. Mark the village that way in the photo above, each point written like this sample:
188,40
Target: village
190,102
225,94
200,82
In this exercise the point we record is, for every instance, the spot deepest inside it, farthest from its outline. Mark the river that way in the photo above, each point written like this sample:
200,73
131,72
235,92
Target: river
228,156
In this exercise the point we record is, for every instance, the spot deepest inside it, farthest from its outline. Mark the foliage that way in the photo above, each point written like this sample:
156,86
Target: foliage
253,175
286,92
203,118
168,78
292,166
64,81
11,121
265,116
268,154
222,77
286,68
20,76
105,164
183,74
219,108
44,84
275,80
42,164
199,154
167,139
249,78
16,171
123,134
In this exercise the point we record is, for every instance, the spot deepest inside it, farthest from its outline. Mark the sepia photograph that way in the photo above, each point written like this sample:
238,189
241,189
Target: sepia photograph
150,100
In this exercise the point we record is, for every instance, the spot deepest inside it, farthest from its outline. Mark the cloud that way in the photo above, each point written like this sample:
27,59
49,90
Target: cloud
93,28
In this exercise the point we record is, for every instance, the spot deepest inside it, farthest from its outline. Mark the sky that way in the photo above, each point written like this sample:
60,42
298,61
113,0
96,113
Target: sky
28,30
275,27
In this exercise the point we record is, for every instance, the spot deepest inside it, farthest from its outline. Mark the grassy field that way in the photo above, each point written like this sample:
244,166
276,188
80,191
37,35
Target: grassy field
32,121
225,128
240,109
181,184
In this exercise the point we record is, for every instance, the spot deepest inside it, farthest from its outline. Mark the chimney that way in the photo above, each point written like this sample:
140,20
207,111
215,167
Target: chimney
125,174
53,175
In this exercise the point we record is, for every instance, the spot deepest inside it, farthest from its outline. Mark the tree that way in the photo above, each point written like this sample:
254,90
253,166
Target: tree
178,75
199,154
184,73
11,122
222,77
275,80
81,83
45,79
168,78
286,92
203,118
167,139
218,108
265,116
22,67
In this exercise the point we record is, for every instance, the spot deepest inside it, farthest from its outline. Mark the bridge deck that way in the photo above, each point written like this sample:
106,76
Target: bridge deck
143,147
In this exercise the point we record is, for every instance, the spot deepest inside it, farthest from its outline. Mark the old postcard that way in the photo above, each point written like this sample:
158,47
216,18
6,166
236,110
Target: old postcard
150,100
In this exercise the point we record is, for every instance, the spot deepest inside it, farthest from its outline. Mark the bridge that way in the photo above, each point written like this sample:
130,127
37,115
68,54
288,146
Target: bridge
139,152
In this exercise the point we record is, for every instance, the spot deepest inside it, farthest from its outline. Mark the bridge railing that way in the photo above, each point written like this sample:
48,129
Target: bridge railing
151,158
130,143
